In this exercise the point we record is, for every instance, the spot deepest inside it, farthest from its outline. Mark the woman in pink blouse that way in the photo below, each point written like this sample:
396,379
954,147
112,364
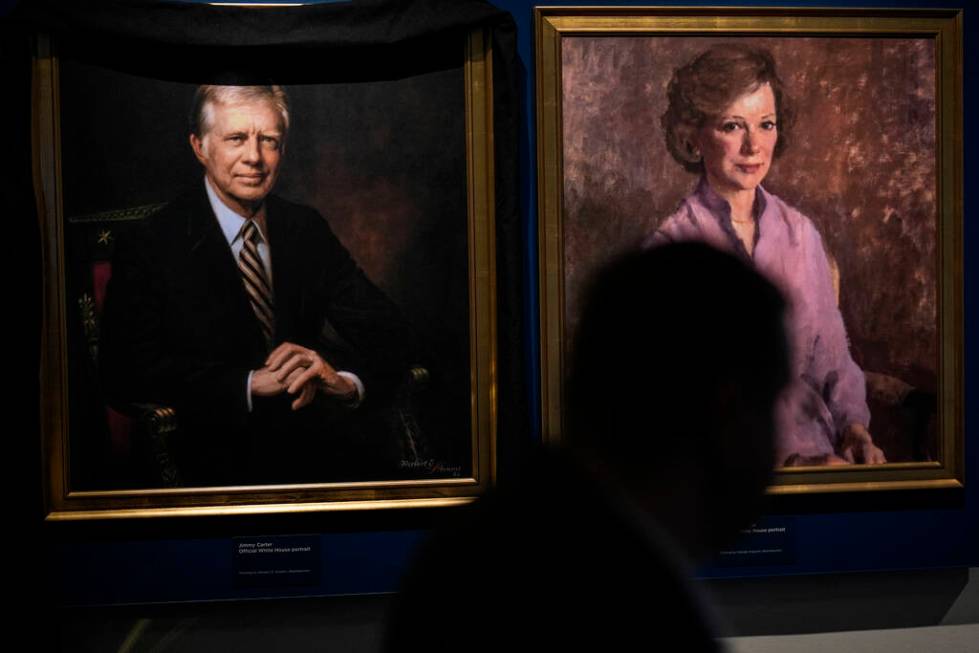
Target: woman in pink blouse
728,118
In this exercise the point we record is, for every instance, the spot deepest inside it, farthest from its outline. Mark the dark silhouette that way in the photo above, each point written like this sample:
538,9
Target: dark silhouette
669,443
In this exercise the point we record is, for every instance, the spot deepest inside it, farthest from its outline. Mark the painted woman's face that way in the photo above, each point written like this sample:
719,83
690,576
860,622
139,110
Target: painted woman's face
738,145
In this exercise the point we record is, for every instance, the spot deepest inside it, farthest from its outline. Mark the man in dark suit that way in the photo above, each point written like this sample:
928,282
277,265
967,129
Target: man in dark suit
245,313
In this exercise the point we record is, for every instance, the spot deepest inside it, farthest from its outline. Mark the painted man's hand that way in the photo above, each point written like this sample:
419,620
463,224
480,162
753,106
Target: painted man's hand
304,372
266,383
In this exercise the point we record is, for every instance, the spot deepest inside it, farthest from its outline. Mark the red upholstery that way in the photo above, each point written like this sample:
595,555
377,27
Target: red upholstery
120,426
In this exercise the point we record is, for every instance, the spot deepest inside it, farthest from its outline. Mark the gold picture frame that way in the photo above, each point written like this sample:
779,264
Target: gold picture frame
595,125
65,501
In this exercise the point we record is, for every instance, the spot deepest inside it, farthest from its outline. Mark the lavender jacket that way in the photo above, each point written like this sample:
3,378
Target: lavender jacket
828,390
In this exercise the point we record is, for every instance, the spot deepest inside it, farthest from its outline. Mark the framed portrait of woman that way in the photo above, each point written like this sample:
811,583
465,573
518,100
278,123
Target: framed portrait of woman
823,146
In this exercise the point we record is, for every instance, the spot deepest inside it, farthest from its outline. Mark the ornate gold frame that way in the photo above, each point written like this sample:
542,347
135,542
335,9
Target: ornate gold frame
553,24
64,504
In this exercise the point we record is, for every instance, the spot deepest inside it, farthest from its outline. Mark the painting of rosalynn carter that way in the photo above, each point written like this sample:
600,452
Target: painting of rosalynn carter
812,158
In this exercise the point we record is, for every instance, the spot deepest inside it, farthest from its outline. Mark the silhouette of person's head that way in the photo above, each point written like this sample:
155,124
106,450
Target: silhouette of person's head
679,358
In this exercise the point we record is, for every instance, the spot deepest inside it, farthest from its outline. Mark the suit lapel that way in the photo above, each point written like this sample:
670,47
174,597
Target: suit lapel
287,276
214,268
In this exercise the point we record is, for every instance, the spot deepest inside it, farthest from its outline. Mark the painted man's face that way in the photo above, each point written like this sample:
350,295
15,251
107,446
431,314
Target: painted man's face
241,153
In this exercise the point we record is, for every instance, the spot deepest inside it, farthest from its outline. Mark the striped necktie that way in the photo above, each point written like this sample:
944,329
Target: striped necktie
256,281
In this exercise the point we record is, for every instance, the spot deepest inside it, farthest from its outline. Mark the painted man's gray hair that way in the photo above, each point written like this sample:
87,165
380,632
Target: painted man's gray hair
202,110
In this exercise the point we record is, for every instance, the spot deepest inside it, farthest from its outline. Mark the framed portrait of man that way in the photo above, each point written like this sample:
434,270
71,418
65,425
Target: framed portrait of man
822,146
268,286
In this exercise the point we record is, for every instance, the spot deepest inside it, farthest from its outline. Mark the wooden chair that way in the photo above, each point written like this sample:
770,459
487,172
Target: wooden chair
903,417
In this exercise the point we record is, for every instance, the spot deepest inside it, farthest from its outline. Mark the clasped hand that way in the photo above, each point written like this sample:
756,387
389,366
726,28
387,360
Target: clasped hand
299,371
856,446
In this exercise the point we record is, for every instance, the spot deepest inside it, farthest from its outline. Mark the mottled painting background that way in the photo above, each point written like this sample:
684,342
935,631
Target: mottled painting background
861,165
384,161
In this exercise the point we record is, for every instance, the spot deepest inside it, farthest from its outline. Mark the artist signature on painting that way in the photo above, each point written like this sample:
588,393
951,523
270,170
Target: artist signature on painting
431,466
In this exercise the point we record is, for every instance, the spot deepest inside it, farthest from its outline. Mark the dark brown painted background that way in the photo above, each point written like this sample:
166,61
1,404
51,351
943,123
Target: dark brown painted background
861,164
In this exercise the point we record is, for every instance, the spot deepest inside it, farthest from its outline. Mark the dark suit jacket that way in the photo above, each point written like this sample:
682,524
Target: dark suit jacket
178,329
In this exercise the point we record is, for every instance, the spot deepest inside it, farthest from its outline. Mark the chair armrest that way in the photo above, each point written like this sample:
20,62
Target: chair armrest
406,422
154,428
